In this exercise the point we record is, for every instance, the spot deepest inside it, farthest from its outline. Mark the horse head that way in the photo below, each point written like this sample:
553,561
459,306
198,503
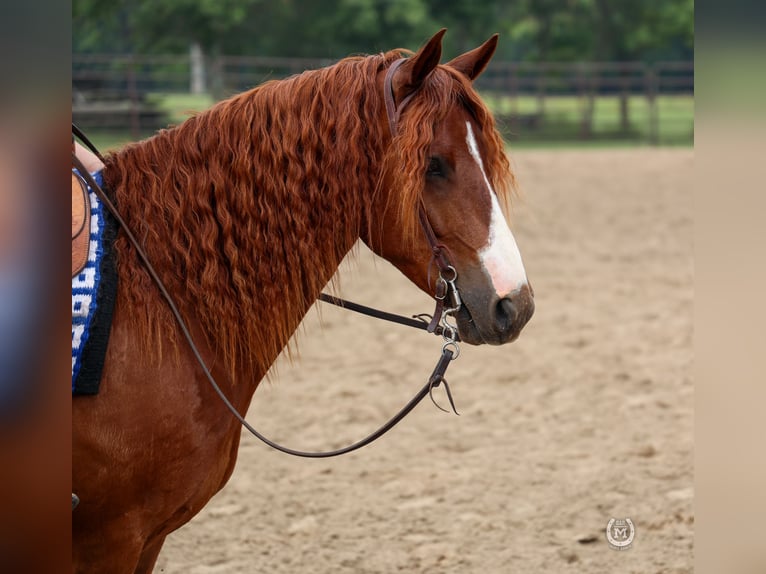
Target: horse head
447,160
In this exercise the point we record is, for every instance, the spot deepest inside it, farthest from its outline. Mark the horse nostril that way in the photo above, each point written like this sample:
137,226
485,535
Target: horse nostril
505,314
514,311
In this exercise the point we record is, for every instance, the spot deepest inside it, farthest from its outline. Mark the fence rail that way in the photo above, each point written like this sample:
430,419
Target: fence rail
631,101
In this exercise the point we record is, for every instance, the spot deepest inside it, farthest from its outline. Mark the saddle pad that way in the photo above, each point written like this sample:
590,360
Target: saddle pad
93,294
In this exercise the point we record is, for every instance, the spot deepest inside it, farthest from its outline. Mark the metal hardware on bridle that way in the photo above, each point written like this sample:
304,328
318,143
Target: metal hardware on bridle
450,348
447,300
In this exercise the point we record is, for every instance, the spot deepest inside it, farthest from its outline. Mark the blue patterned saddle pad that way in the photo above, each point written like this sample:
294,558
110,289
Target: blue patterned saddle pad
93,293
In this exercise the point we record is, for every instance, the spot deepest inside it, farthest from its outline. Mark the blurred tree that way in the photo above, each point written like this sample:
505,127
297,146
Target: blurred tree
551,30
469,23
603,30
152,26
336,28
558,30
202,27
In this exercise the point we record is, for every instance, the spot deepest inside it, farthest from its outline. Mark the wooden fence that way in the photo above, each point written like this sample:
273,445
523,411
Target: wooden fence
533,102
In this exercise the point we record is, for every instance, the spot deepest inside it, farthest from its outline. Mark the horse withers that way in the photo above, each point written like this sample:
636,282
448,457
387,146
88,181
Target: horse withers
246,211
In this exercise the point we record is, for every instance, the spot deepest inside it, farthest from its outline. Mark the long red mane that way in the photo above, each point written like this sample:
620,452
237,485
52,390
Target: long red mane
231,205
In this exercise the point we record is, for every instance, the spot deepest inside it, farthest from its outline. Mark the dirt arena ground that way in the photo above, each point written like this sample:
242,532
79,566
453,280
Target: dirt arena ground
588,416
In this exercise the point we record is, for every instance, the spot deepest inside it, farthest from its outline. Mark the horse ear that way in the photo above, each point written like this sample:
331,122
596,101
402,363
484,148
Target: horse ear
414,70
472,63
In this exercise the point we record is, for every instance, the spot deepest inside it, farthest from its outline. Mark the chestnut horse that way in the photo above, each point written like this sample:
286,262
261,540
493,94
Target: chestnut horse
246,211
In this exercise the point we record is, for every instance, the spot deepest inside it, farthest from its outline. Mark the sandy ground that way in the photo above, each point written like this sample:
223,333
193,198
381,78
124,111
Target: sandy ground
588,416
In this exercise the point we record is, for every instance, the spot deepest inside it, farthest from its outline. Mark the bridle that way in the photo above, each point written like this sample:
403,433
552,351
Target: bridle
447,298
445,284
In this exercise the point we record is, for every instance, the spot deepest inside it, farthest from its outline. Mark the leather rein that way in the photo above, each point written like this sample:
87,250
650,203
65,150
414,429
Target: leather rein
446,295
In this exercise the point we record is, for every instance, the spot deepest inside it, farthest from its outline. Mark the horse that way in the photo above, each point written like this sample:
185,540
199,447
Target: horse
246,211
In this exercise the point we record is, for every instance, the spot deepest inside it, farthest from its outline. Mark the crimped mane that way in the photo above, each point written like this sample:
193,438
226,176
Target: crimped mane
247,209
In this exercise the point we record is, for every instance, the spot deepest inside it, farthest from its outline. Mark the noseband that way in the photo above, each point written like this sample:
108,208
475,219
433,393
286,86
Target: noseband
446,294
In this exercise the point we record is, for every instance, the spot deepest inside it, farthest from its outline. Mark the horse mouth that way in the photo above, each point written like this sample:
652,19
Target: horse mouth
466,328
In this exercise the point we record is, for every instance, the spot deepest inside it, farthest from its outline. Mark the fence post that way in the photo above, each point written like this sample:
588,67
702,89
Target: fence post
542,72
217,79
197,68
135,119
651,96
586,82
624,76
514,89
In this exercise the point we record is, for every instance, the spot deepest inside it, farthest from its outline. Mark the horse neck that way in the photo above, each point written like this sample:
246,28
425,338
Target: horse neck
245,226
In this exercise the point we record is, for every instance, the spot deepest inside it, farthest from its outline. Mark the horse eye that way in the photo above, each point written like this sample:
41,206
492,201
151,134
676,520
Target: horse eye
435,168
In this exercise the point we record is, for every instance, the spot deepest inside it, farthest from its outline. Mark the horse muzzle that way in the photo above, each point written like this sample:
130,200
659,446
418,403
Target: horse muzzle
492,319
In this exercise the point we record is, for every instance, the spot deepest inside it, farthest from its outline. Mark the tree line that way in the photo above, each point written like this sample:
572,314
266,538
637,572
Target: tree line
530,30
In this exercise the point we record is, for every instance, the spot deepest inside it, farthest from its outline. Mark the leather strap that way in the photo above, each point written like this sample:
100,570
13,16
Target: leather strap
416,321
392,110
443,289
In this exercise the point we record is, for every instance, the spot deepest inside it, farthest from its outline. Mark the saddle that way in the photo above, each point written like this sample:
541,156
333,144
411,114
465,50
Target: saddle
81,207
80,223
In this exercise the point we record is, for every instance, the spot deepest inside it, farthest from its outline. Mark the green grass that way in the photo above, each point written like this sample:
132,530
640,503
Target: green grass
107,141
563,115
560,126
179,107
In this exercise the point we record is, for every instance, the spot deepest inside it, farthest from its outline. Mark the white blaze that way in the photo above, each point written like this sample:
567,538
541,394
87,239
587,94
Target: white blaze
500,258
